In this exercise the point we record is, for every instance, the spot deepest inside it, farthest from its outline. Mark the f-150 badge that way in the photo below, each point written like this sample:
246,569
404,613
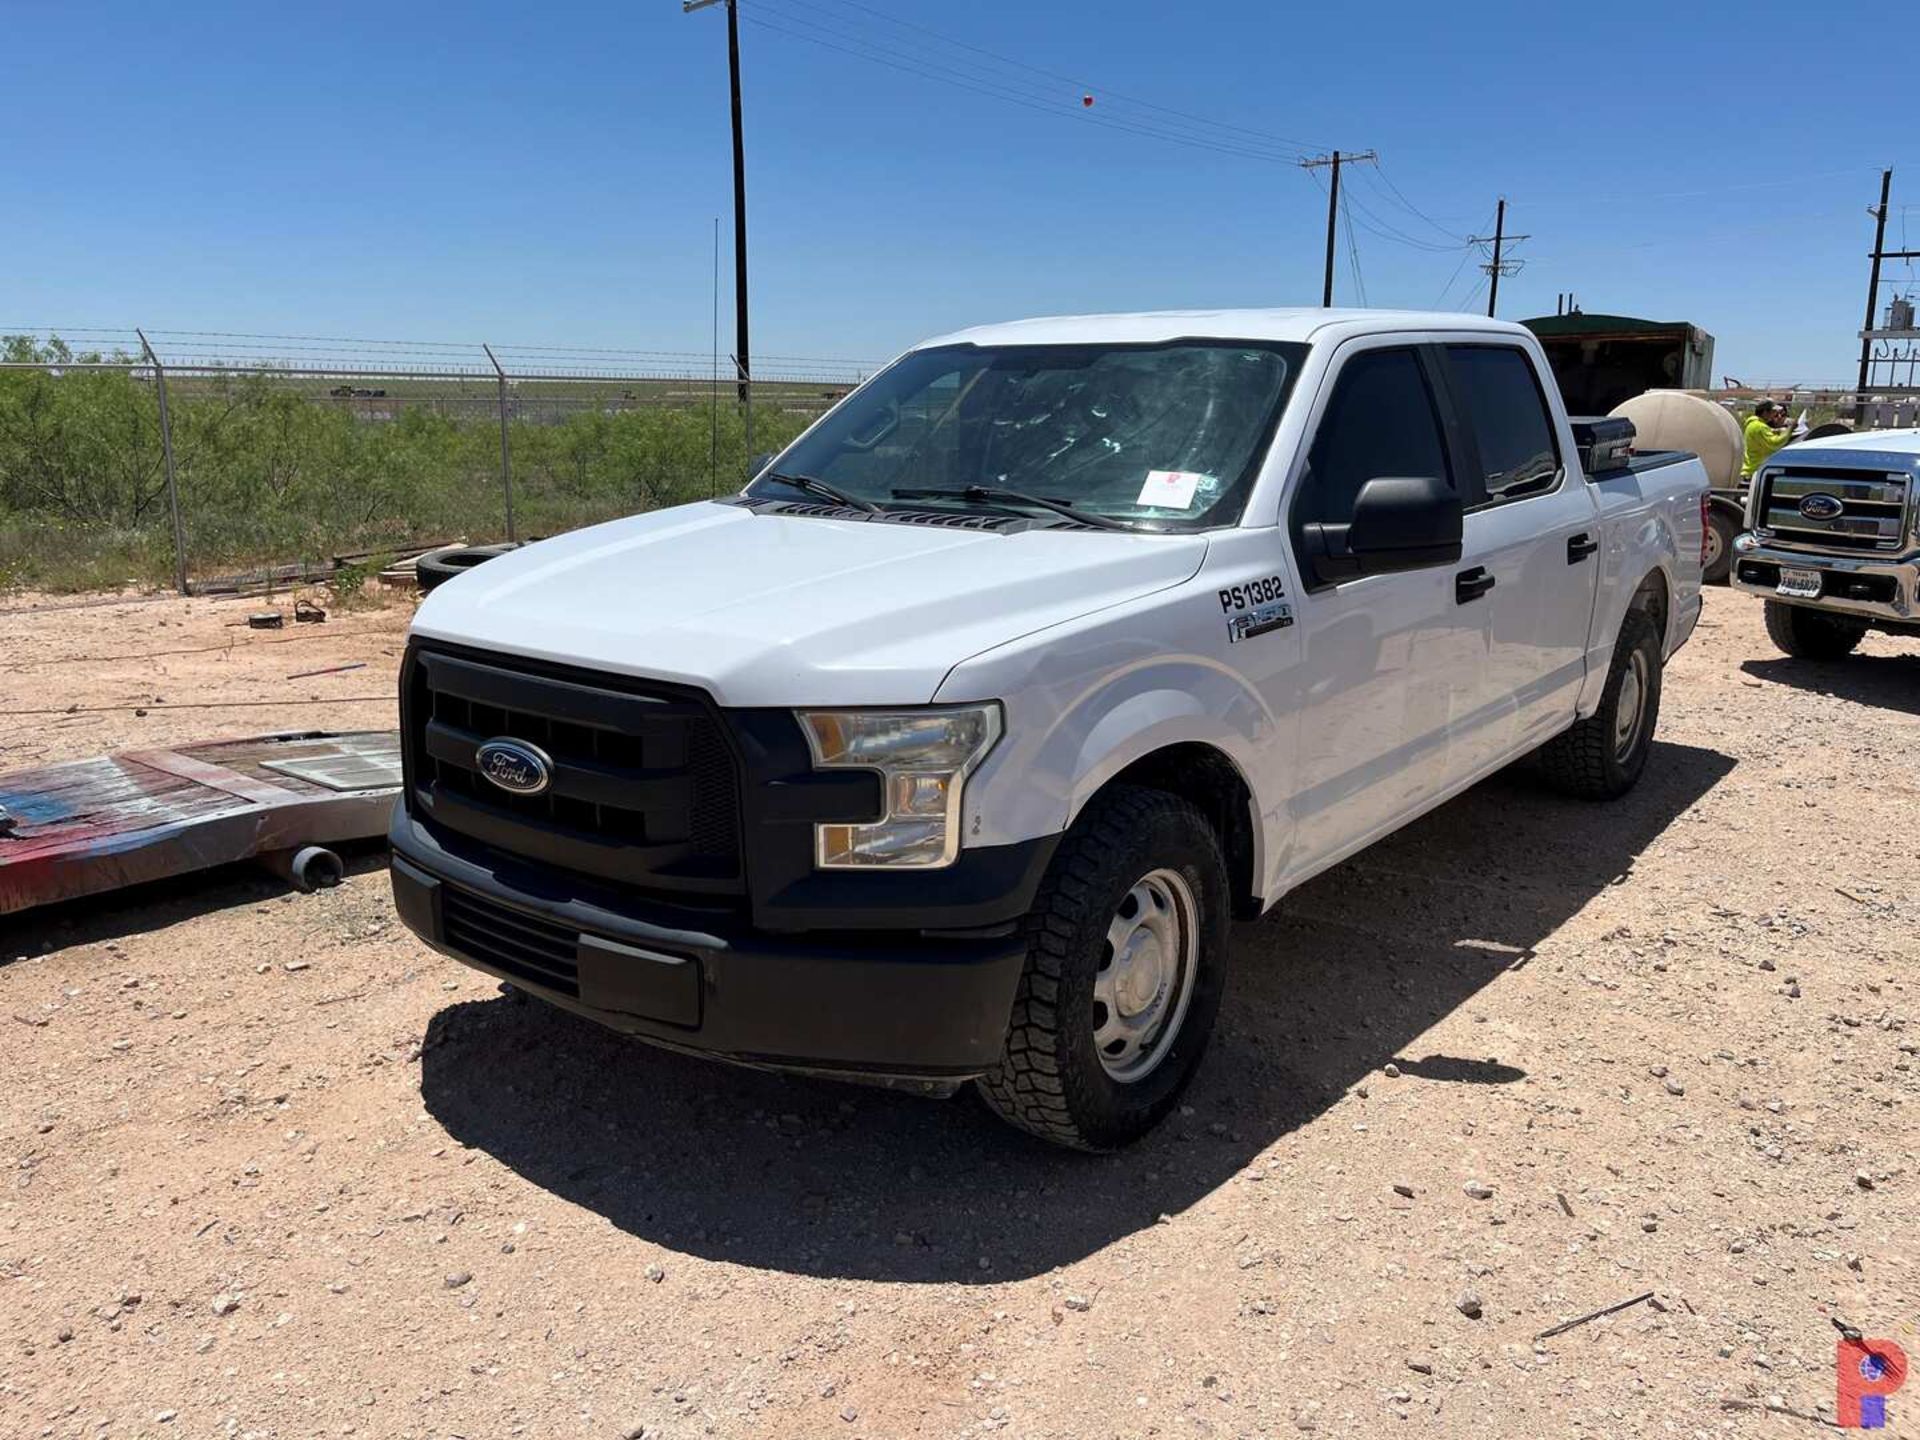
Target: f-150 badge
1260,619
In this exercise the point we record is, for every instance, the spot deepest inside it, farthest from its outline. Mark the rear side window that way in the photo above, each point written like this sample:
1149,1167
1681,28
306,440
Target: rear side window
1499,395
1380,421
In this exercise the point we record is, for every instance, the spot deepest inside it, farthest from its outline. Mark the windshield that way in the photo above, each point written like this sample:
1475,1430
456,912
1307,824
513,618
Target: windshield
1160,436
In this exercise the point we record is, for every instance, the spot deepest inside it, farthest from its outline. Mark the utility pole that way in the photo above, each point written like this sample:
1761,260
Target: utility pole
1873,280
739,190
1333,161
1499,265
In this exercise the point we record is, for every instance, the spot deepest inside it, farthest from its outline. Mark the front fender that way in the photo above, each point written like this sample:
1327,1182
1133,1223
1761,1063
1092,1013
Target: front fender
1122,725
1061,749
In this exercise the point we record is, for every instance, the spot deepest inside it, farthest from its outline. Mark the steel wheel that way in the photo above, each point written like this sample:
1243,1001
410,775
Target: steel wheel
1715,549
1145,980
1631,705
1126,961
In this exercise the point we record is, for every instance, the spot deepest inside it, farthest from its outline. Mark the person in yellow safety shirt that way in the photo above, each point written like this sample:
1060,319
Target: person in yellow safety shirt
1766,431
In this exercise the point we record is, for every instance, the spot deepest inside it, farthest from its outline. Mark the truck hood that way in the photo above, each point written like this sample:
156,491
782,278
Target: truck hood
789,610
1878,449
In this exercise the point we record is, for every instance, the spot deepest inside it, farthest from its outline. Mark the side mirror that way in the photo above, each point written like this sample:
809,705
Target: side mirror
1399,523
759,463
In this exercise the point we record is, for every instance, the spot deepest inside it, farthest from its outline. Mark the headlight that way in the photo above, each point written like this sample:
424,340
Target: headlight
923,757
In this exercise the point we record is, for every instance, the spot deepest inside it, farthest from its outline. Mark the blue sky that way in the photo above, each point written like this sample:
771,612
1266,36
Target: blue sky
551,174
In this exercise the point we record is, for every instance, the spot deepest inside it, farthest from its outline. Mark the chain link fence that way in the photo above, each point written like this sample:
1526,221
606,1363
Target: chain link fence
177,456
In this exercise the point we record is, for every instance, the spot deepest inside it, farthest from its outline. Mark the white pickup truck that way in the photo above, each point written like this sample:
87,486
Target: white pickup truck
947,750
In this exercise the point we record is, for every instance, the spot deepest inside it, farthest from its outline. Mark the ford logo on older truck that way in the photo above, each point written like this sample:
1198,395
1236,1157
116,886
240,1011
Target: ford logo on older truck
515,766
1818,506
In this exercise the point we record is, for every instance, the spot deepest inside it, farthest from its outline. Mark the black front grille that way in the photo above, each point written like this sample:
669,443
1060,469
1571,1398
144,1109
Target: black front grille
643,791
511,941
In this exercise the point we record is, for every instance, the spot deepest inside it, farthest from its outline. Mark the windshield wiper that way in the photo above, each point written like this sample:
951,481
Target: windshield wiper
821,488
993,495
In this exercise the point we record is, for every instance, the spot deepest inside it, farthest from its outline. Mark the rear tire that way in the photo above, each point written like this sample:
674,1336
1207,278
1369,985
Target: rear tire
1717,562
1601,757
1809,635
1126,958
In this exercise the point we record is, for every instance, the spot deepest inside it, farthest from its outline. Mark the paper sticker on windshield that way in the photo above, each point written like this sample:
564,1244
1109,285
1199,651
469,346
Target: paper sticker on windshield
1171,489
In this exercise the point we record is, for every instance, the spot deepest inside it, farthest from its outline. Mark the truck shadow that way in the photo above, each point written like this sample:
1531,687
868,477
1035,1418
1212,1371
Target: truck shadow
822,1179
1886,682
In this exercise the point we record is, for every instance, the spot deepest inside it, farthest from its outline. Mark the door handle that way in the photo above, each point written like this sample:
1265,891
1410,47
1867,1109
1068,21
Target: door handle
1471,584
1579,547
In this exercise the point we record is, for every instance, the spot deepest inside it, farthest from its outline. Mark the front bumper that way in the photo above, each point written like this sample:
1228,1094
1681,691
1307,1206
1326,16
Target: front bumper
886,1005
1880,588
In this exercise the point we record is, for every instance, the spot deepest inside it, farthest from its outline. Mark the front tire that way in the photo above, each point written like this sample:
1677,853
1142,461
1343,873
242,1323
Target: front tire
1810,635
1601,757
1126,958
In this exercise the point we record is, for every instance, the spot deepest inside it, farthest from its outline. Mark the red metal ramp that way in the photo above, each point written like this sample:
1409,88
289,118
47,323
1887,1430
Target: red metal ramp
88,826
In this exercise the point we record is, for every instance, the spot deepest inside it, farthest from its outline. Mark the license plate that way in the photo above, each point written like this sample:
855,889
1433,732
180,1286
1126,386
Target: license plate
1801,584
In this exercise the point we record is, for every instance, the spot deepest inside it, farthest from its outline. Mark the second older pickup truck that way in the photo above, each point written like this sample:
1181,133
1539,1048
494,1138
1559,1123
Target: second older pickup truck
947,749
1834,541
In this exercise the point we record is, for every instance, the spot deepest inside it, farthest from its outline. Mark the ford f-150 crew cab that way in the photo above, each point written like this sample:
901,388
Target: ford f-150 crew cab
948,748
1834,541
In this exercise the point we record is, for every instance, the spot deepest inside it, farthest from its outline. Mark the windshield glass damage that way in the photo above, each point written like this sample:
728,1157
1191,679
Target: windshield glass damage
1165,436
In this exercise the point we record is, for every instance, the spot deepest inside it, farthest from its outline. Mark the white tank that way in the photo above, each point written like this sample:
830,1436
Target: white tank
1681,420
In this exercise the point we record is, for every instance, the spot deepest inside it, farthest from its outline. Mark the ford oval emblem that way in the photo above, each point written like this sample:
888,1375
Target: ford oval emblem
1821,507
515,766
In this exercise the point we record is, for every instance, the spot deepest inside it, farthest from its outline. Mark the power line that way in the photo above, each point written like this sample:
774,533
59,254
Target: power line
1079,82
995,90
1380,227
1353,254
1387,231
1379,174
1466,254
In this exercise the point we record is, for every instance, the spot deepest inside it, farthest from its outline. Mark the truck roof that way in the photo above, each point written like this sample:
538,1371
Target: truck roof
1151,326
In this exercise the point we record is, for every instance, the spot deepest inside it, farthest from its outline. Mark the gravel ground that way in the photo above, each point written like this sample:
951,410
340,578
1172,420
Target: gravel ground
277,1170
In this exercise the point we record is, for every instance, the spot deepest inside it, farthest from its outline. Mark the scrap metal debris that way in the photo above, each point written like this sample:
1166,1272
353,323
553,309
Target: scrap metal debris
1579,1320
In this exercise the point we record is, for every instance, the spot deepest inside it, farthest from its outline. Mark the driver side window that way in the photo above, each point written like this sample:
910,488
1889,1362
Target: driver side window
1381,420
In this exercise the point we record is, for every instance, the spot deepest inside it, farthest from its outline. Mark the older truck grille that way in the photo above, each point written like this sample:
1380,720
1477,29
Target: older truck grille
644,790
1873,514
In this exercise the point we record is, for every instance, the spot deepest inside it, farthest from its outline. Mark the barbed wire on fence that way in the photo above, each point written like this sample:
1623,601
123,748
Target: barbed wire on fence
140,447
248,351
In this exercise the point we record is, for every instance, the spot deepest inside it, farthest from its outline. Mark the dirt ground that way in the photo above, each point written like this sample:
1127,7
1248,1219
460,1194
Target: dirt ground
275,1169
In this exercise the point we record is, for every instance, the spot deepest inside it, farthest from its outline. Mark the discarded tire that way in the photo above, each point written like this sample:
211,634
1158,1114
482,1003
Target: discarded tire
440,566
